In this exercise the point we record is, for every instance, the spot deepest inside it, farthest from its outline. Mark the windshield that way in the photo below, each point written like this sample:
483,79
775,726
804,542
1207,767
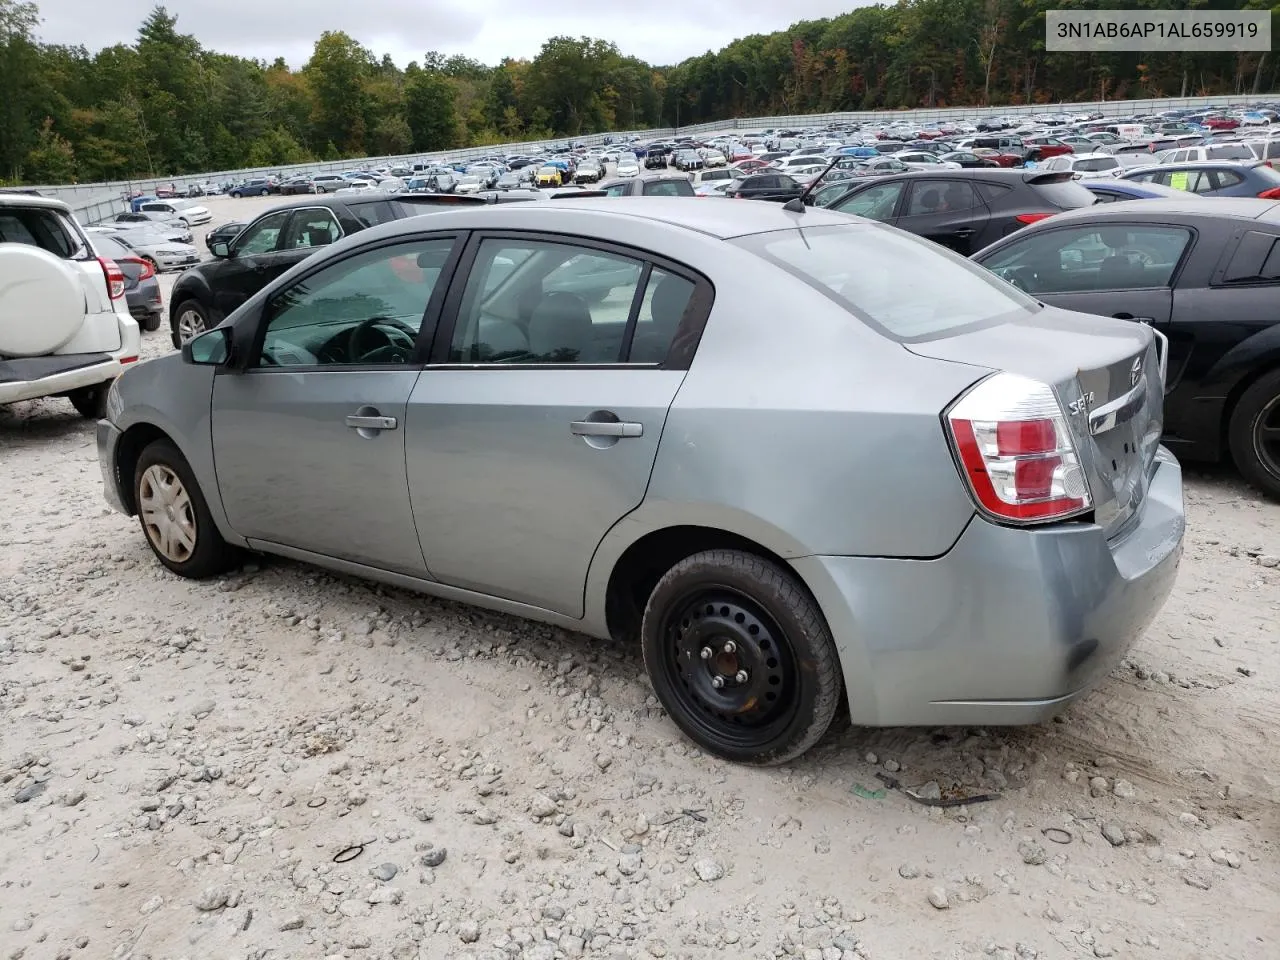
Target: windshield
874,272
1229,151
1094,164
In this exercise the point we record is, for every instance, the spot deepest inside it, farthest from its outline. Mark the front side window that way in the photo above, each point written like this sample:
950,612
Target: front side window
1083,259
366,309
262,236
877,202
535,302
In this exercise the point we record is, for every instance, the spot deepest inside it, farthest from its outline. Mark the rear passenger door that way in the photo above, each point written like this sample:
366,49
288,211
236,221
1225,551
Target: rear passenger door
535,427
948,212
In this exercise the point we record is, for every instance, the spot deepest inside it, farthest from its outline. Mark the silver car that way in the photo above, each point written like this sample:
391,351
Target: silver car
801,457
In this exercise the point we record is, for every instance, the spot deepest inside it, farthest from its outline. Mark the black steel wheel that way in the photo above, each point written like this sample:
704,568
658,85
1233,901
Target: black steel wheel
1254,434
741,657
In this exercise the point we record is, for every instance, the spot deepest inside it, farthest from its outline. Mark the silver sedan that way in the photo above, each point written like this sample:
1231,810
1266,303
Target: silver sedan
801,458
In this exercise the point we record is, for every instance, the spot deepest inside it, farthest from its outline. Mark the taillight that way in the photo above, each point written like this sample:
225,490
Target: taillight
115,279
145,266
1272,194
1016,451
1032,217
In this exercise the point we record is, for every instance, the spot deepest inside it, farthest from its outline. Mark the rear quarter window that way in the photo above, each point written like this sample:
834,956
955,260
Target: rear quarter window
873,272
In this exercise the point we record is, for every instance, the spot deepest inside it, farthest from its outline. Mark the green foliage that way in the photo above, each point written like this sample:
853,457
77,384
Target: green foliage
165,105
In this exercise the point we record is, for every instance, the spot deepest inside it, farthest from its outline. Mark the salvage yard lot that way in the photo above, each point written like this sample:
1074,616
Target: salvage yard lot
182,762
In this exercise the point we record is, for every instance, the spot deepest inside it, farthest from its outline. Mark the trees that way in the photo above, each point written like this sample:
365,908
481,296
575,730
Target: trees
335,74
430,112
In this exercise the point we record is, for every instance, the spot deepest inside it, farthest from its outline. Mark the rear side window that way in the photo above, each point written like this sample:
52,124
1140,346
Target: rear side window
1080,259
874,273
669,188
1063,195
38,227
372,214
1256,259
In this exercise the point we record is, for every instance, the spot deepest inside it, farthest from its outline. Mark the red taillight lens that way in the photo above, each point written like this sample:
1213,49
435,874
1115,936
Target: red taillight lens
128,359
1032,217
1272,194
115,279
147,271
1016,451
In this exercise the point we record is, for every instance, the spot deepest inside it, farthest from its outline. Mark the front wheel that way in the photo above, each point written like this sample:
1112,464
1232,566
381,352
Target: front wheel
264,192
192,320
174,516
236,194
1254,434
741,657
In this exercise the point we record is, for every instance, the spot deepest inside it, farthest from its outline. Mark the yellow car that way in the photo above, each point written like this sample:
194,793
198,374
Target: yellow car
550,176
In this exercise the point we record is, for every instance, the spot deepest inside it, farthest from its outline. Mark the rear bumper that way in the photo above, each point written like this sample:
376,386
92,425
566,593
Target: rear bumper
33,377
1006,628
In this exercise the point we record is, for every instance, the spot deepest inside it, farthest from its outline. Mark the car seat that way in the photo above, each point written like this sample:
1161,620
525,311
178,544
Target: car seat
560,329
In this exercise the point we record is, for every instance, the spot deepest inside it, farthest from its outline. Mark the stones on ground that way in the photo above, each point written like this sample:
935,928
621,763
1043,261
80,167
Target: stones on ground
543,806
1193,878
1032,853
293,922
708,870
30,792
938,898
434,857
484,817
1098,787
892,766
468,931
1227,858
629,864
908,871
1124,790
151,905
929,791
1113,833
213,898
22,924
385,872
354,909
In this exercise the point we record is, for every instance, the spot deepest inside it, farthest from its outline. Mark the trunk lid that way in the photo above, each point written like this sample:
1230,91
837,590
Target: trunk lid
1105,374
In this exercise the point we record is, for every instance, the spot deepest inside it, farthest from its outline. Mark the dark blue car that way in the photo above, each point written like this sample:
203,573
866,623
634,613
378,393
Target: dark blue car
1214,178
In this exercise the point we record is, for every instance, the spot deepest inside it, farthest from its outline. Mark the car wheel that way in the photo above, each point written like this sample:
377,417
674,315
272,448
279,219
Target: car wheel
174,516
152,322
237,194
264,192
741,657
90,402
1254,434
190,320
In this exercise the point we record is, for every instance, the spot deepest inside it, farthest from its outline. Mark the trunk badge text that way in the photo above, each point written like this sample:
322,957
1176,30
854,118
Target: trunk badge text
1082,405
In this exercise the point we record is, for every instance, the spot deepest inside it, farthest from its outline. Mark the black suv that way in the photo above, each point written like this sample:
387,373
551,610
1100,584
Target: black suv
274,242
964,209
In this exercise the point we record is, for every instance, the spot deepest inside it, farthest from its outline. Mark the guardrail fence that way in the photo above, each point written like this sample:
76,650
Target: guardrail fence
96,200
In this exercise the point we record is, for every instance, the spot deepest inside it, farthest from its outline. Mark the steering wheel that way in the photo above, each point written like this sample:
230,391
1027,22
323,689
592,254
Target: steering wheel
396,346
1142,256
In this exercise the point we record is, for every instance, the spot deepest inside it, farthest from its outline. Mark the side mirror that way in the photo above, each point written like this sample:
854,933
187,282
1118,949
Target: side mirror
220,249
210,349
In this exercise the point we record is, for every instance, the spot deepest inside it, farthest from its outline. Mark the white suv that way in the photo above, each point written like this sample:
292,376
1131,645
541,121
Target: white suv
65,328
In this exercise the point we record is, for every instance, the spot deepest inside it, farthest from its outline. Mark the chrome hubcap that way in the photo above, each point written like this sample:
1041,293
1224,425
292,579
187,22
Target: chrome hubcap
190,324
167,513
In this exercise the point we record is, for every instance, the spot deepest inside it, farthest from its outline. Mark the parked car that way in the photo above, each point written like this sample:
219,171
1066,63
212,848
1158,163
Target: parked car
158,250
282,237
1206,275
190,214
549,175
1210,151
1003,555
327,182
223,233
627,166
150,222
65,326
771,185
964,209
1112,190
1085,166
589,171
256,187
663,185
1214,178
297,185
141,288
966,159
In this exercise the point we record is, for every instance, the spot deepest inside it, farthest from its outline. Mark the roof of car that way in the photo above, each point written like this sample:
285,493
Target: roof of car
30,200
1240,208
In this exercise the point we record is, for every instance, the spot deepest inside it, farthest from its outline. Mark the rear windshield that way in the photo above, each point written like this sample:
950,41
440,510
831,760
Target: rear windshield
1229,151
875,272
1064,195
43,228
1095,164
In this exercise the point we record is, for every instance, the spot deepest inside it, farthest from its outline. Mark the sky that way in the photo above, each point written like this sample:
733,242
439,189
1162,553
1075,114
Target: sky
661,32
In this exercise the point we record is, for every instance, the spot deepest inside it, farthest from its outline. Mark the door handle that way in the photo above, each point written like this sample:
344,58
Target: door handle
963,232
606,428
371,423
1149,321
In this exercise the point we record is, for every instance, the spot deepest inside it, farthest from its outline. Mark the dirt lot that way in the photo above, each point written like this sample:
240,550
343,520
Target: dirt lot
181,763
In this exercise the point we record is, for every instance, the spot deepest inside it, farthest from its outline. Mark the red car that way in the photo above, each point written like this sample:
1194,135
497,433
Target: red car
1042,148
1002,158
1221,123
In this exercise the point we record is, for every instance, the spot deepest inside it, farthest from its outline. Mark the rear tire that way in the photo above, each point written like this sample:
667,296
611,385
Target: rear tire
1254,434
152,322
175,517
90,402
741,657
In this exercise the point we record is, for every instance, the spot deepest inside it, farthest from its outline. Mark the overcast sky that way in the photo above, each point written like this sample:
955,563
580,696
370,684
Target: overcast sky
658,31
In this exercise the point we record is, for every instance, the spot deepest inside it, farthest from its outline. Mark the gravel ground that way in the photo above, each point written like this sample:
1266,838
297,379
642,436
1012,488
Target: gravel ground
182,764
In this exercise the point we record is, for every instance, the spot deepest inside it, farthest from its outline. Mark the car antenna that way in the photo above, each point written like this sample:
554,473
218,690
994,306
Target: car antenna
796,204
